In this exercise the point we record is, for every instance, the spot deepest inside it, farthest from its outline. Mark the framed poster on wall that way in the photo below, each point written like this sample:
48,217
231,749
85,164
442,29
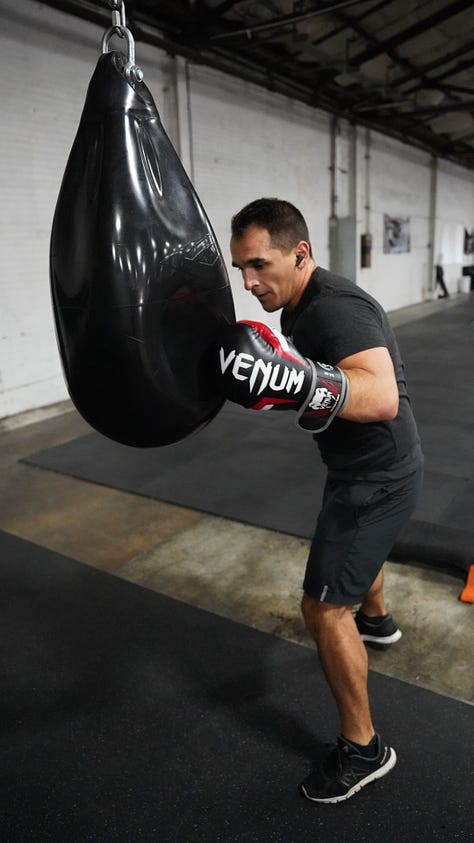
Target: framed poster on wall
396,235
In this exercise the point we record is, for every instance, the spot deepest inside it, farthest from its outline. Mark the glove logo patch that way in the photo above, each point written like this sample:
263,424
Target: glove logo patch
324,399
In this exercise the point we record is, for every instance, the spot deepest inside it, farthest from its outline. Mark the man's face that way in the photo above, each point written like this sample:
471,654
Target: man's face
269,274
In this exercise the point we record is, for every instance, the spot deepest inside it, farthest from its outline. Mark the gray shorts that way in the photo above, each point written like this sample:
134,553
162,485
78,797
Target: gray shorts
357,527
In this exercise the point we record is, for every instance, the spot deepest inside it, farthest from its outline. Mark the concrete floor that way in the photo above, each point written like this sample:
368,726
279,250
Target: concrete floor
242,572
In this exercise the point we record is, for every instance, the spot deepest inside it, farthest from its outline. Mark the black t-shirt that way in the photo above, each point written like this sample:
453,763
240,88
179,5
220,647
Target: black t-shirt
335,319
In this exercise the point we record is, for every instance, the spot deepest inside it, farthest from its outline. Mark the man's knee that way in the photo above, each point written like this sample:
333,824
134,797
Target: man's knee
309,607
318,615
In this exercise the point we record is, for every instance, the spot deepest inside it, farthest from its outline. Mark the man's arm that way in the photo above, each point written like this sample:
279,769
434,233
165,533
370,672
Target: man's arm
373,393
261,369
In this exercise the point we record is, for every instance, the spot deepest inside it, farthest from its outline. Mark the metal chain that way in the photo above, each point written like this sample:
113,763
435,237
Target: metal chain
118,16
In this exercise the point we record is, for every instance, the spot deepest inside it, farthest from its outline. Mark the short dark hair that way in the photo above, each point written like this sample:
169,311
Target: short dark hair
284,223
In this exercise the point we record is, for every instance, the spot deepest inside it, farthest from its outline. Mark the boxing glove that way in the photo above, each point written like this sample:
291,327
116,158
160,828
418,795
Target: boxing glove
261,369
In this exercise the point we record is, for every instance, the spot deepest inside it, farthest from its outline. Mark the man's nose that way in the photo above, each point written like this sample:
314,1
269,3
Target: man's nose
250,278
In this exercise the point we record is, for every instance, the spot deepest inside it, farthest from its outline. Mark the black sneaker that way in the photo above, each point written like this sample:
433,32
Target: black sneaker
381,631
343,772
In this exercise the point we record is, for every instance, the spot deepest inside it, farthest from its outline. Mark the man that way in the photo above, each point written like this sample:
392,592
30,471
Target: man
339,366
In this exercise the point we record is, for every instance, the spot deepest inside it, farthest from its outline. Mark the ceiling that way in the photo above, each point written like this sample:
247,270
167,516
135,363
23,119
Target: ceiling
403,68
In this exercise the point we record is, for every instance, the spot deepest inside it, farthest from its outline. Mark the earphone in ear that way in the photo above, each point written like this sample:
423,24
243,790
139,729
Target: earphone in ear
299,258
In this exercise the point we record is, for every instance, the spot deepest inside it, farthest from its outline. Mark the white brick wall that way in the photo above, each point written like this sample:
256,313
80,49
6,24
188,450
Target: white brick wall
455,212
241,142
249,143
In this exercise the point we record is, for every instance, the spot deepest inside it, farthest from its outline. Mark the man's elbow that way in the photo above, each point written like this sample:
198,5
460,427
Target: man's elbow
384,408
389,408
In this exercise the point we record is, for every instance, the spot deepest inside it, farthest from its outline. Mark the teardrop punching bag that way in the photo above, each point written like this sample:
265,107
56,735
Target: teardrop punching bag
139,286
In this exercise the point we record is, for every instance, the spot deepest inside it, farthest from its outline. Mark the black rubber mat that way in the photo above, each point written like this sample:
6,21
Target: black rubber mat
128,716
260,469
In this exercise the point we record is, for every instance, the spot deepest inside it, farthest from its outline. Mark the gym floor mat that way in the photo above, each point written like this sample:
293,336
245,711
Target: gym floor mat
127,715
260,469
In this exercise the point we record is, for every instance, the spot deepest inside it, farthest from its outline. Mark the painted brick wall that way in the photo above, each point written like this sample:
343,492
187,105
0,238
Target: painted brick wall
249,143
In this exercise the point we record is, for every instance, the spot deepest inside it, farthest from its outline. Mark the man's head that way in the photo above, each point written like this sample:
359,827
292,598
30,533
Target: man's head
270,245
284,223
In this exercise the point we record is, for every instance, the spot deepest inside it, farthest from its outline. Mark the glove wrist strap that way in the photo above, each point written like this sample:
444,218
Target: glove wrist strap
327,397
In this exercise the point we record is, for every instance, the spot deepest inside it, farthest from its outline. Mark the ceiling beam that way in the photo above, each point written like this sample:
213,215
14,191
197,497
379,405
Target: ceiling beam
449,11
348,24
260,71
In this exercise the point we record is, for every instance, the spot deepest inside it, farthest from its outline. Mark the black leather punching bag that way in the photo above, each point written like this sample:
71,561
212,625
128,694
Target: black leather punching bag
139,286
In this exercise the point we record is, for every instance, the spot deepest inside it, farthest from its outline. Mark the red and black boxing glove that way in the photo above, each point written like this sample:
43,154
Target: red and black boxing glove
262,370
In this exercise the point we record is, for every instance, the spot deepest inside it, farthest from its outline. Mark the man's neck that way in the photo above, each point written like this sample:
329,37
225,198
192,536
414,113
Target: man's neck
306,278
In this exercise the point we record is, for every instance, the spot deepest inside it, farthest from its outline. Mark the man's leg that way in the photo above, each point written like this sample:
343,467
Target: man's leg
344,660
360,755
356,528
376,627
373,603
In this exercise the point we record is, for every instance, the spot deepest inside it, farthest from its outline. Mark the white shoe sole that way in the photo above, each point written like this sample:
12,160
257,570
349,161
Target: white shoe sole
382,639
